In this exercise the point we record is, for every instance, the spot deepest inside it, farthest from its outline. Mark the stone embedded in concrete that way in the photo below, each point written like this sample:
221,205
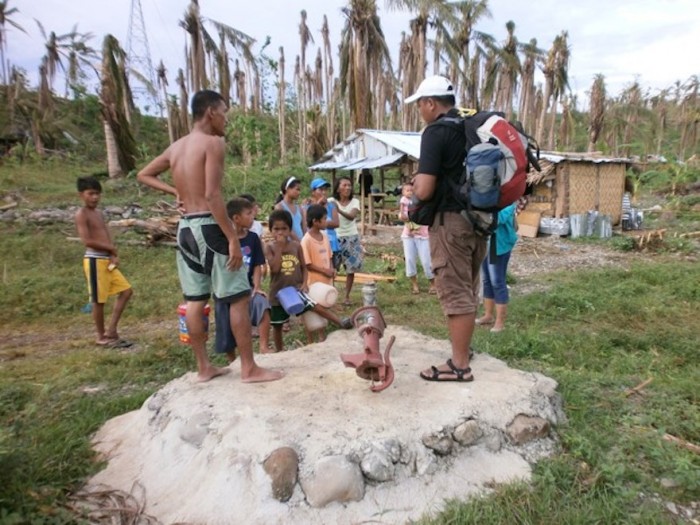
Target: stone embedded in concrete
282,465
441,442
196,429
492,439
408,456
426,462
377,465
321,410
467,433
527,428
334,478
392,448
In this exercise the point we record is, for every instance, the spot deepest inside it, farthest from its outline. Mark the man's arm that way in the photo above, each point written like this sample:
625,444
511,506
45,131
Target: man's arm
213,174
424,186
149,174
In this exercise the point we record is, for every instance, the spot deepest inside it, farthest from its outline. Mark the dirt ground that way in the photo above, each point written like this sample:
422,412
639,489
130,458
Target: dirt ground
536,256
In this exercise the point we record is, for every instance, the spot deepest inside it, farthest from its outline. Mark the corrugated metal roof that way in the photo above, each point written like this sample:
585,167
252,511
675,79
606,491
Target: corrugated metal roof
397,144
401,143
331,165
405,141
556,157
374,163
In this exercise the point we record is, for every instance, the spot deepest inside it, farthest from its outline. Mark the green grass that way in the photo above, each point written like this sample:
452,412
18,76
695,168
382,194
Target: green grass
598,333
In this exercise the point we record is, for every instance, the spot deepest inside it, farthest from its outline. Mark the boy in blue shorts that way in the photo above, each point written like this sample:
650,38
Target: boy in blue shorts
287,268
101,264
242,213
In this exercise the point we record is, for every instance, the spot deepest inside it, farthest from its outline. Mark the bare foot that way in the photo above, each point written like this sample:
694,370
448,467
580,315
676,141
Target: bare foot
267,349
211,373
261,375
485,320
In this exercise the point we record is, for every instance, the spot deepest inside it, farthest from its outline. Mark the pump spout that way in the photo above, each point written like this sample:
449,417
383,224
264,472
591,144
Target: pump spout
370,364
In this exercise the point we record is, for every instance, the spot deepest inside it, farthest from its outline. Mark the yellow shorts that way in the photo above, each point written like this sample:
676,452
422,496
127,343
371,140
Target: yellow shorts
101,282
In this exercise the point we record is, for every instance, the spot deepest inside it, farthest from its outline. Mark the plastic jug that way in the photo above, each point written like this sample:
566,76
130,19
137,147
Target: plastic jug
290,300
313,321
324,294
182,324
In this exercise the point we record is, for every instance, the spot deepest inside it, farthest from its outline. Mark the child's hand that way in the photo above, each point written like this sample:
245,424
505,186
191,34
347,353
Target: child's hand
113,262
281,239
258,291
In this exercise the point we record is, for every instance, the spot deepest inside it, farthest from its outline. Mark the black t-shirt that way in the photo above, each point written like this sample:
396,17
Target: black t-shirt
442,155
252,251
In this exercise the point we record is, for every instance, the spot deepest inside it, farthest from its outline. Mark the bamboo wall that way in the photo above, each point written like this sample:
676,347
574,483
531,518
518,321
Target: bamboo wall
577,187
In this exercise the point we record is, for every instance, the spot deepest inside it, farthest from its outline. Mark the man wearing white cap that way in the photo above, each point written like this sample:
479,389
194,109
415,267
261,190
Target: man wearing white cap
456,251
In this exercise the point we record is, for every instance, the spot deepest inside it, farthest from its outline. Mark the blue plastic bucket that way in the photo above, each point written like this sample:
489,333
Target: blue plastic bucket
290,300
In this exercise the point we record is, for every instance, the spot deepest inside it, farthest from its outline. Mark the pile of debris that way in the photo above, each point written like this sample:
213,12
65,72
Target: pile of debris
160,227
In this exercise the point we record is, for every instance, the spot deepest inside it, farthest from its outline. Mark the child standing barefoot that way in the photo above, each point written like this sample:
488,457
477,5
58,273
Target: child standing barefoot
241,211
101,264
287,268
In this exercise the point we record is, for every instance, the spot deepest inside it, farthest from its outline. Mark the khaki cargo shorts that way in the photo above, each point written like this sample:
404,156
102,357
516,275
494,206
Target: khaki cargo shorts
456,253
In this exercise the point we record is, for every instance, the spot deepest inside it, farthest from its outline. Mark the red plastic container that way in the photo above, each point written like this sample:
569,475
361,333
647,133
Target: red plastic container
182,324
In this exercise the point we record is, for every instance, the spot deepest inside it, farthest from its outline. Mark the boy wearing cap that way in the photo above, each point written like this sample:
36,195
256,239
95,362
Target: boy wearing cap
456,251
319,195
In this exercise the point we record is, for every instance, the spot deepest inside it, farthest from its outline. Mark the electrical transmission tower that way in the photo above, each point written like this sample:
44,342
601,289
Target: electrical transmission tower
139,64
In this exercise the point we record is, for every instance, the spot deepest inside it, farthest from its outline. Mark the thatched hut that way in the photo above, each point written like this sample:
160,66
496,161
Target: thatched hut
572,183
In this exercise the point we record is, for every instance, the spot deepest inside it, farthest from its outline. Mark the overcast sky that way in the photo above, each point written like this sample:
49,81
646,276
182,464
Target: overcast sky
654,41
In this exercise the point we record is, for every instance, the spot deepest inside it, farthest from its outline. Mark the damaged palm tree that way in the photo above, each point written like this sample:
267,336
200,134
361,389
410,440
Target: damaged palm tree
369,364
116,105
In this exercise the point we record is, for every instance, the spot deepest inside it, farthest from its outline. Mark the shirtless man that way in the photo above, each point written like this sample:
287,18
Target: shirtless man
209,257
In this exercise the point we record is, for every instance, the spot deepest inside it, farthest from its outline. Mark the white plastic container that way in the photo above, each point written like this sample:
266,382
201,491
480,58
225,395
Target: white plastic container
313,321
324,294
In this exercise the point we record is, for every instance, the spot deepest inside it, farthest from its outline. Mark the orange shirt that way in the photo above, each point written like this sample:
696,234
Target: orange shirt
319,254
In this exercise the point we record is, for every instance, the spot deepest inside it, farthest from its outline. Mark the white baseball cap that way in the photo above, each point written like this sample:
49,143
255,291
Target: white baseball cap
436,86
